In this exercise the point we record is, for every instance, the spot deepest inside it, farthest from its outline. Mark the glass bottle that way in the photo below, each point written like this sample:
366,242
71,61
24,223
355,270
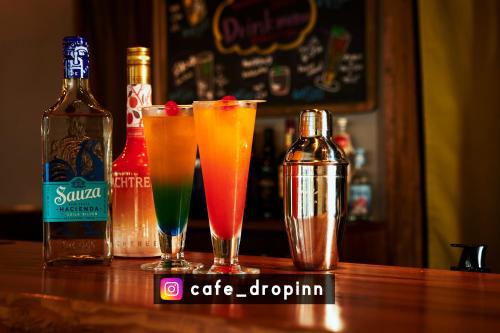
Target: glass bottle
360,198
343,139
76,145
134,218
289,139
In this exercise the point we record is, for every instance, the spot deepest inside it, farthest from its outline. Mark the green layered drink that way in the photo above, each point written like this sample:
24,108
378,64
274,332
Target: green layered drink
171,149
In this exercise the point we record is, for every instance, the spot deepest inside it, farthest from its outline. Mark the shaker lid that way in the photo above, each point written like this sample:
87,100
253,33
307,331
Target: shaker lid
315,143
314,122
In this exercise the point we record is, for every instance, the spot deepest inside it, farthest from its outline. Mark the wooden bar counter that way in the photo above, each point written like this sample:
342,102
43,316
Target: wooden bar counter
120,299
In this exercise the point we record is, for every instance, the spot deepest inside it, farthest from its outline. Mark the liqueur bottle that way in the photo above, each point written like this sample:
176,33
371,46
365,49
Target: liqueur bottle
360,198
343,139
267,176
289,139
134,218
76,143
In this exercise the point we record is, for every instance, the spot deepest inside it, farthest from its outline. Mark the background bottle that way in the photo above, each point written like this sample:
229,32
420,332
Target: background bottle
343,139
267,176
360,198
134,218
290,130
76,144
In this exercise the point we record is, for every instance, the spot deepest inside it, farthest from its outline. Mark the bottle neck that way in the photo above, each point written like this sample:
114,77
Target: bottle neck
138,96
359,162
342,129
76,85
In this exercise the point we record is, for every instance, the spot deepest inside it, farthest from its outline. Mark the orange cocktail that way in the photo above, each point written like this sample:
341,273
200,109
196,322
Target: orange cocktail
224,131
171,144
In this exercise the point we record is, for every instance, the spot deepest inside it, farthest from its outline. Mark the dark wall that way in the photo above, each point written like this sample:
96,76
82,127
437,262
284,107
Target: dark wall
112,26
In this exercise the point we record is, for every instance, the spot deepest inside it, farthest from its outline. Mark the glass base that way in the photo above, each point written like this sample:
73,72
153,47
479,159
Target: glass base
226,257
174,266
227,269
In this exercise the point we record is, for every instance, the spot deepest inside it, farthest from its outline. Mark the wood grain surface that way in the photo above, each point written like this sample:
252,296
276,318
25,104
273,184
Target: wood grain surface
119,298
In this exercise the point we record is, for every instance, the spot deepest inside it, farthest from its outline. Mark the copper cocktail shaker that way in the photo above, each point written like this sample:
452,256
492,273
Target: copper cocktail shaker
315,198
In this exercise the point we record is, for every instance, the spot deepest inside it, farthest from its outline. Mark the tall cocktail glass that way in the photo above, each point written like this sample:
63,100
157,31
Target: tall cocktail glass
224,131
171,145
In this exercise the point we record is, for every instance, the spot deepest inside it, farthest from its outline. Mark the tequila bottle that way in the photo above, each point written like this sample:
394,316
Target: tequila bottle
134,218
76,139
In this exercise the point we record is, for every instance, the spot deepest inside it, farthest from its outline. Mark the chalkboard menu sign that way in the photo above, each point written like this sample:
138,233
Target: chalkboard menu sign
290,53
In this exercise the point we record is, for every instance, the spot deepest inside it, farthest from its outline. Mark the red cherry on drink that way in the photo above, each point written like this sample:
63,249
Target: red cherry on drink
130,118
171,108
227,103
132,102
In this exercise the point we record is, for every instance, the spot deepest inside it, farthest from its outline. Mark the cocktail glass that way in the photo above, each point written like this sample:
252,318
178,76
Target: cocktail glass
171,145
224,131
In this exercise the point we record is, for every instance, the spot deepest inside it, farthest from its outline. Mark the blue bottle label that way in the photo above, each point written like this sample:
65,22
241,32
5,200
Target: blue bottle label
77,200
360,199
76,58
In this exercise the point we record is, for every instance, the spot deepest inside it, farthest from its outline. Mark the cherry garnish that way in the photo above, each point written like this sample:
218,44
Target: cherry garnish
226,103
171,108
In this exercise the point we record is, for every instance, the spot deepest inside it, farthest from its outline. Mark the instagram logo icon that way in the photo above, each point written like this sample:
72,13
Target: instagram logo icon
171,289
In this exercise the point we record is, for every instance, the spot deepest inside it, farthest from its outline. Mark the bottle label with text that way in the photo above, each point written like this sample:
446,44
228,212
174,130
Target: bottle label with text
75,201
123,180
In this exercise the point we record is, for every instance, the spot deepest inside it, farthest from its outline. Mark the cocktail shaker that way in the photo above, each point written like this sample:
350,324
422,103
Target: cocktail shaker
315,193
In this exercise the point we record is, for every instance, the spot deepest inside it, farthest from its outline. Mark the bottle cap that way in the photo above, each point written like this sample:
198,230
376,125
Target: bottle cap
138,61
314,122
76,57
138,56
342,122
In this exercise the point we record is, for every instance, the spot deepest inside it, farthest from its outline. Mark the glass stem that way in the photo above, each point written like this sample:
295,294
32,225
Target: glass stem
225,250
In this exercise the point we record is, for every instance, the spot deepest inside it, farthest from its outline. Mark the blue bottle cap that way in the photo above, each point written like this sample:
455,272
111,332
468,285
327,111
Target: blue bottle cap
76,57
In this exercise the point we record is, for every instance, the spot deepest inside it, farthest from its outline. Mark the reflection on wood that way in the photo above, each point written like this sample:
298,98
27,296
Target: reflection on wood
120,298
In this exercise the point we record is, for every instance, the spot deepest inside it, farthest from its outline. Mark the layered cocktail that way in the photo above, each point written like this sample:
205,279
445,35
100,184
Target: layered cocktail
224,131
171,145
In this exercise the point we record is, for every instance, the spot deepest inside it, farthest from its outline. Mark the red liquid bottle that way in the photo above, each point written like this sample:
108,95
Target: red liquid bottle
134,218
343,139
